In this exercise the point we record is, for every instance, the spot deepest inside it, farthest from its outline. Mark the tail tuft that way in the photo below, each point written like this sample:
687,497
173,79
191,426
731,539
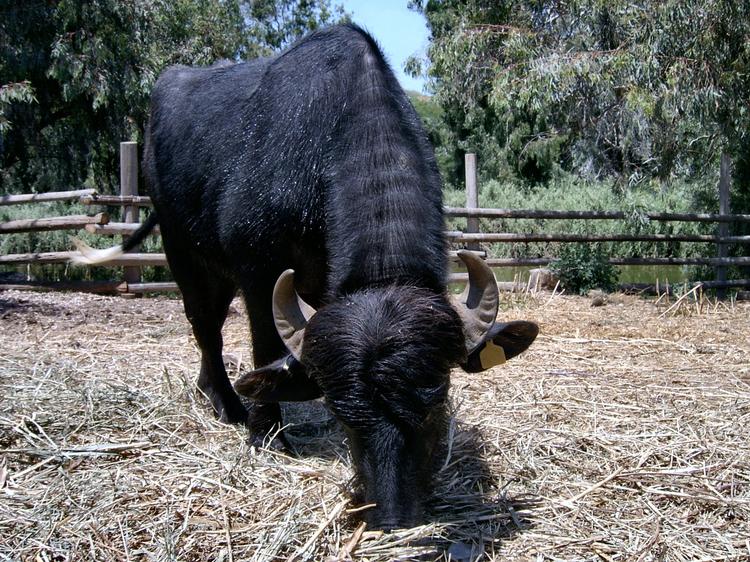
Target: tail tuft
91,256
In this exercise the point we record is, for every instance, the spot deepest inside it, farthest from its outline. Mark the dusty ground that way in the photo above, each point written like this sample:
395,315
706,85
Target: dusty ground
621,435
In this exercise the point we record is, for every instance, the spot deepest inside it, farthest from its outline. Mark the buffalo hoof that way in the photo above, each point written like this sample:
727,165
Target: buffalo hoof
278,443
227,409
234,416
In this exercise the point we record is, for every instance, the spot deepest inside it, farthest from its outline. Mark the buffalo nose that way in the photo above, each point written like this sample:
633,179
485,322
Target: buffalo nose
388,526
390,523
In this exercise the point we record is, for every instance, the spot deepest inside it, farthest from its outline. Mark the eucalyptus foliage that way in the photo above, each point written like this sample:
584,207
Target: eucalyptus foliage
76,75
630,90
14,92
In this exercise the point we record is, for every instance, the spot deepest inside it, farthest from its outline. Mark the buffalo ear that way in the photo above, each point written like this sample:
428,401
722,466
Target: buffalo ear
504,341
284,380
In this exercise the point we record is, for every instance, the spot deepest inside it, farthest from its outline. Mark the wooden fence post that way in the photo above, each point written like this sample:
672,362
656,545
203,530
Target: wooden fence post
129,186
725,175
472,196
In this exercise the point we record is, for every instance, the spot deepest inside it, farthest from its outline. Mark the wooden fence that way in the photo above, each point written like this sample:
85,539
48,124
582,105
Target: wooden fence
130,203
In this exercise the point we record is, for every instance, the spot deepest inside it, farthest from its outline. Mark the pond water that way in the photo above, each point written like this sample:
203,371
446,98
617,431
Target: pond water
650,273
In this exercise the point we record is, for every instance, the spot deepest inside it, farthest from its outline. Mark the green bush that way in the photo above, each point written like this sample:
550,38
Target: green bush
582,267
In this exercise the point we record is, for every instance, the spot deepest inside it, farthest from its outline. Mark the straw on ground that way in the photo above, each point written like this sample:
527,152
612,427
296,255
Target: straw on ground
621,435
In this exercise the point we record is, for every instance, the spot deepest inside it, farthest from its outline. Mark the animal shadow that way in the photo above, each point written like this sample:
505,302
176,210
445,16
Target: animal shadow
19,306
467,504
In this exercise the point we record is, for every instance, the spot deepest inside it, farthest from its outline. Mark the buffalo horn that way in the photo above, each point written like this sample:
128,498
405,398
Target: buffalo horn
290,313
477,305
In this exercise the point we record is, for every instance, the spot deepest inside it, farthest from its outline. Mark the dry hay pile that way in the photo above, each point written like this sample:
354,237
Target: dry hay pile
621,435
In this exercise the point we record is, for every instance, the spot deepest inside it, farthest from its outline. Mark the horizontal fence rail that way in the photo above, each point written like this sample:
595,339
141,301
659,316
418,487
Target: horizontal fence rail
514,262
117,200
458,236
704,284
129,259
42,258
105,287
118,229
681,261
23,198
588,215
52,223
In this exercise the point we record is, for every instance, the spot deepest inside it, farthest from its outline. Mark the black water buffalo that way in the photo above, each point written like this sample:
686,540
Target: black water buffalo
307,178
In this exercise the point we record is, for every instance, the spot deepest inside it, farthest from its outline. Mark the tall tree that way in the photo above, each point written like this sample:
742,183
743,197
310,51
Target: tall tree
75,75
273,24
604,88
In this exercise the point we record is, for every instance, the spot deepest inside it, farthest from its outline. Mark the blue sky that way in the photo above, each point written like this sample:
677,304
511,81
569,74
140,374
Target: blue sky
400,32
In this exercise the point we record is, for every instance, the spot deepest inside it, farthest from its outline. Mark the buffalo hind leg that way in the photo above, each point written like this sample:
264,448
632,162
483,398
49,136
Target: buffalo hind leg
207,314
206,298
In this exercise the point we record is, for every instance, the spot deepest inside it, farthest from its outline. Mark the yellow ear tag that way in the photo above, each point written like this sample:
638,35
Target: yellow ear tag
491,355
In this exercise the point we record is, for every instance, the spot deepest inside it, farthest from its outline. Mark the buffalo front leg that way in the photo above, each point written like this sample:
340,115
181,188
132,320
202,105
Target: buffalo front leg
213,380
265,417
206,299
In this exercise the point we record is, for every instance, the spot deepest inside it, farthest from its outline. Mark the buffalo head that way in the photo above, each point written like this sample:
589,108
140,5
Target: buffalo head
381,357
